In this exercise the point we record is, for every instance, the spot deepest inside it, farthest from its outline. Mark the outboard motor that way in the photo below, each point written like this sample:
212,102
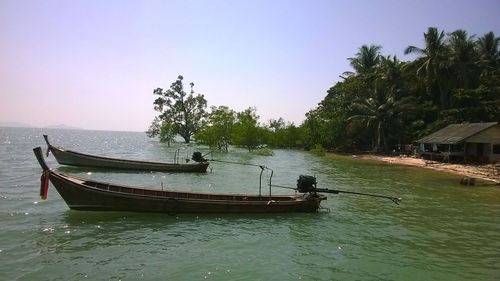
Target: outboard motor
306,184
197,157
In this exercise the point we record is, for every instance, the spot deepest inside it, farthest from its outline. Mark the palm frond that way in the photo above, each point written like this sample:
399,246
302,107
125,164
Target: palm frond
414,50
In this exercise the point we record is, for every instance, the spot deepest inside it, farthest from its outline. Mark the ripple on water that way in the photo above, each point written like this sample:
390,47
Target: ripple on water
441,230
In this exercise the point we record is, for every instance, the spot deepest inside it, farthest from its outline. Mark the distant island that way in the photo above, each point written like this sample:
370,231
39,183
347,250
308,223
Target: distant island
16,124
26,125
64,127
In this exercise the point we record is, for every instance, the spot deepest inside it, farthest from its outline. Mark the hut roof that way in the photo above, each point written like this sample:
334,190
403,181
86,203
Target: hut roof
456,133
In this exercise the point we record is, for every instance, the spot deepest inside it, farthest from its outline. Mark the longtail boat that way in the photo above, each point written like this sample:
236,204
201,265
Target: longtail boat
72,158
90,195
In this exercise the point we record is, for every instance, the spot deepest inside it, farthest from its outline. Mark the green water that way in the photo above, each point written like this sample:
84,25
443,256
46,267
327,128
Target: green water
441,231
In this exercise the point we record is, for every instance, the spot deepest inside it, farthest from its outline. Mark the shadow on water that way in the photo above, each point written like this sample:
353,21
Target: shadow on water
81,231
75,218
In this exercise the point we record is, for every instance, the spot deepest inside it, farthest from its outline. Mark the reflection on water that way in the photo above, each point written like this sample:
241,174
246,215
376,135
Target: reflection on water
441,230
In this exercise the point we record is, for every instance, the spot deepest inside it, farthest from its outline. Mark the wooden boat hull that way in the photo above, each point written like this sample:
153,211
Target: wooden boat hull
80,194
89,195
72,158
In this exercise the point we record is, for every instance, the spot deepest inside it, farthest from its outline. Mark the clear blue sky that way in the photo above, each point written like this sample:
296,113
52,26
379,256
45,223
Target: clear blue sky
94,64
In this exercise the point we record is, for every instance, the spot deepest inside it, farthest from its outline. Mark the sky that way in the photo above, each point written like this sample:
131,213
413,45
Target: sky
94,64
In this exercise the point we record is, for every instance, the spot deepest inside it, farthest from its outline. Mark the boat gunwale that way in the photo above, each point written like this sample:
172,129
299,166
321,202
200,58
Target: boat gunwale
240,198
121,160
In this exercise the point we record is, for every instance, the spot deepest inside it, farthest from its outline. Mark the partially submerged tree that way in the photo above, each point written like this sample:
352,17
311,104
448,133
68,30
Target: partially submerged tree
167,132
183,112
164,129
219,128
247,131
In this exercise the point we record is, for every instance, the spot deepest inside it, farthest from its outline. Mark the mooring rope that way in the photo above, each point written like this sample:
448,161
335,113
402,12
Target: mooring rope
238,163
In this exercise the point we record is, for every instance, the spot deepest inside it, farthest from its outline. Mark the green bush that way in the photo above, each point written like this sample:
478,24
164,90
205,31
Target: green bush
263,151
318,150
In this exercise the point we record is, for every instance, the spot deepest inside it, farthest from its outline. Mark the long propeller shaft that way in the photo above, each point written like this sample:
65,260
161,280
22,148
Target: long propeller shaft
336,191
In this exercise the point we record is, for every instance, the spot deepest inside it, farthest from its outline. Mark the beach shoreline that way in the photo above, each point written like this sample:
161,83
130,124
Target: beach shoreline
489,174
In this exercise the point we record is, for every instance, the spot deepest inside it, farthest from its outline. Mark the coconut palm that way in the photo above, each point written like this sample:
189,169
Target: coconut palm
489,52
388,104
432,64
463,59
367,58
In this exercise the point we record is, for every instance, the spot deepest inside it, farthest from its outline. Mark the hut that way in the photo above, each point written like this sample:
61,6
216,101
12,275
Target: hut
467,142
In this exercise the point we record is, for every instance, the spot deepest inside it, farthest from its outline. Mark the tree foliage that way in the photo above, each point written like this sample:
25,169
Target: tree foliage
219,128
247,132
183,111
382,103
282,134
162,128
385,102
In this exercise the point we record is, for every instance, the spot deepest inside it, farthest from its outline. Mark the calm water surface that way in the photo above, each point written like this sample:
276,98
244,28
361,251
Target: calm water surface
441,231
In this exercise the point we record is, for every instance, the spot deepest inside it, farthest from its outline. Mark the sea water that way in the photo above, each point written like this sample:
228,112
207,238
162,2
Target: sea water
440,231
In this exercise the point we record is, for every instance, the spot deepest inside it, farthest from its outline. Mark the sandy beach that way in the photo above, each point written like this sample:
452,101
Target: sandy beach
486,174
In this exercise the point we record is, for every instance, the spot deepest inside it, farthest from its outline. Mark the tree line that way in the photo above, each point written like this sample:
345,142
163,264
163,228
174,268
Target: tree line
382,103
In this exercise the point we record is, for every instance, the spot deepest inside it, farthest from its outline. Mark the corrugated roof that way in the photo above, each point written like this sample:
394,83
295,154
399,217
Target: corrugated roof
456,133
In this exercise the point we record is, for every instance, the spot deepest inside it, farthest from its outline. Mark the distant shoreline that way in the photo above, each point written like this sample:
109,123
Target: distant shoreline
67,128
488,173
29,126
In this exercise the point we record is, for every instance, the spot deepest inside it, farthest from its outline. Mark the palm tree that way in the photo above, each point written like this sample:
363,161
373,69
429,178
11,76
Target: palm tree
367,58
390,74
488,48
463,59
388,103
432,64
